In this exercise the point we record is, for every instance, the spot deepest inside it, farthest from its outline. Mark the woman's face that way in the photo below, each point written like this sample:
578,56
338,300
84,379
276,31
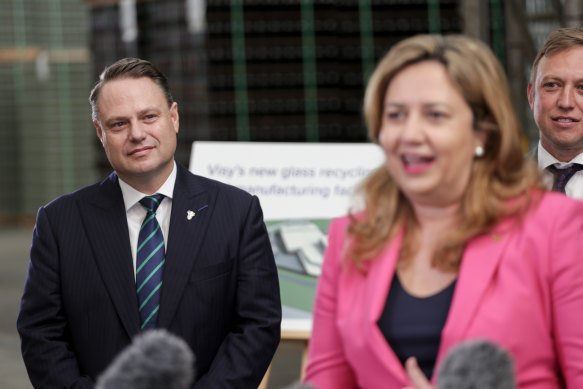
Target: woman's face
427,135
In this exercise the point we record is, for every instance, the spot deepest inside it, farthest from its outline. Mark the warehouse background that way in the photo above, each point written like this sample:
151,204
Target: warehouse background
249,70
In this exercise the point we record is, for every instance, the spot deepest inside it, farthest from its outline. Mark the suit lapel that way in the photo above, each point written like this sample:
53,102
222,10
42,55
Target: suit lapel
479,264
104,218
192,208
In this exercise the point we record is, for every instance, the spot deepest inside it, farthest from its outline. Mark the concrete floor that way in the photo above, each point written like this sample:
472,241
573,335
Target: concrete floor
14,248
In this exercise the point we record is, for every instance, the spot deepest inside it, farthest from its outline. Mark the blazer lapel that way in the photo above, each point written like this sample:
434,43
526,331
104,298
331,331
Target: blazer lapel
381,275
105,220
192,208
480,261
479,264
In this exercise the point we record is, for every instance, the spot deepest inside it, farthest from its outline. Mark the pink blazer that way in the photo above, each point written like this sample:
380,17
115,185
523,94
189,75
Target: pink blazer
519,287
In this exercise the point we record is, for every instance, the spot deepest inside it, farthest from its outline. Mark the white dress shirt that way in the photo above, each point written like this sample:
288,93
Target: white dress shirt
136,213
574,186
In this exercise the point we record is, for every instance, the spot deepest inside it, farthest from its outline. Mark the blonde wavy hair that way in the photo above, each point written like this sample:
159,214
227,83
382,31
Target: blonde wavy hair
499,175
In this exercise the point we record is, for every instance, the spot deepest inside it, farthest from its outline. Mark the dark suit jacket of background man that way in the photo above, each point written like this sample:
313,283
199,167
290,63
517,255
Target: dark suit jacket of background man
220,286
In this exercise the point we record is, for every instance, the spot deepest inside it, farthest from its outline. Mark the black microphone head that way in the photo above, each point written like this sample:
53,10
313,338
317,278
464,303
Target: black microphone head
155,360
477,364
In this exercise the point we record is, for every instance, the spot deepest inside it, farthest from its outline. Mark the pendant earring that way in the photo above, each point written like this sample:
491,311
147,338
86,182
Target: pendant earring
479,152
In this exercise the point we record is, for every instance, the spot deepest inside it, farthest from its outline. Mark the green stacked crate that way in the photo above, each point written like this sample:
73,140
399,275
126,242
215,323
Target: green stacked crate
295,70
9,178
51,136
9,96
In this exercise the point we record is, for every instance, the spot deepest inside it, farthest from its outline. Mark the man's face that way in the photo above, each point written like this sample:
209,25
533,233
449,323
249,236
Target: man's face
556,99
138,131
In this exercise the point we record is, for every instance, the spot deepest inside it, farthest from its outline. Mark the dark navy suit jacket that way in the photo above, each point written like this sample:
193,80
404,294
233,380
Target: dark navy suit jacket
220,286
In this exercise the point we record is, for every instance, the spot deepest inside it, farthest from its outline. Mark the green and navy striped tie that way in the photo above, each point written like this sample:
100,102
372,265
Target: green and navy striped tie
150,263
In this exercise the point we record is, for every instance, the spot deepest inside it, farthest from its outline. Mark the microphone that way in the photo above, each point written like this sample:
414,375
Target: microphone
155,359
477,364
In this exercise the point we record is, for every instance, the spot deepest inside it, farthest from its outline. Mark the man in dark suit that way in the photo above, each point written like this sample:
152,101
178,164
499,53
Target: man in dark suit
555,96
216,282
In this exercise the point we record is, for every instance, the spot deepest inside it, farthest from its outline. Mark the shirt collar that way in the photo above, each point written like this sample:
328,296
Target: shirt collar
132,196
545,159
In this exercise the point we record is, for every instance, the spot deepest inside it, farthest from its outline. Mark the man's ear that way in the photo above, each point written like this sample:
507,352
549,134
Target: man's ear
99,130
174,116
529,95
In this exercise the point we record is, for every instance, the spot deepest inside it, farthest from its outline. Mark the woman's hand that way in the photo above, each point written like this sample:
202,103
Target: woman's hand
416,376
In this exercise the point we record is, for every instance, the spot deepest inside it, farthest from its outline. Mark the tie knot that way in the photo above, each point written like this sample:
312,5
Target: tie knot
151,203
562,176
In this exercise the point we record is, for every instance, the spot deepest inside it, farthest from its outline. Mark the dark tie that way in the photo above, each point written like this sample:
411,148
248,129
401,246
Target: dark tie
562,176
149,263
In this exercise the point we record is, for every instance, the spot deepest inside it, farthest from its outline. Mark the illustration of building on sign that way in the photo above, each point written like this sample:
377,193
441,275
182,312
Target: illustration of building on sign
298,246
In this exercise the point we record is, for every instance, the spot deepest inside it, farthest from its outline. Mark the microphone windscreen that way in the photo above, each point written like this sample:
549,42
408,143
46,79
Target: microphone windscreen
477,364
156,359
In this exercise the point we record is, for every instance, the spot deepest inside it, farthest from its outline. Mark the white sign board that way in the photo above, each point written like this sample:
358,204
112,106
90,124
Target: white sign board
292,180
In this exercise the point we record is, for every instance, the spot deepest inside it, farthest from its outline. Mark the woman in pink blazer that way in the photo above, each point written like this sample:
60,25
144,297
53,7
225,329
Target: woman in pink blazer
457,241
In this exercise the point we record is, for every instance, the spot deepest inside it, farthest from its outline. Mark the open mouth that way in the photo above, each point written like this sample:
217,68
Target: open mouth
414,160
416,163
564,120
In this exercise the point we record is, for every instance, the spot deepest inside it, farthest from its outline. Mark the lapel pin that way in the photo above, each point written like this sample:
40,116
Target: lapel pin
190,214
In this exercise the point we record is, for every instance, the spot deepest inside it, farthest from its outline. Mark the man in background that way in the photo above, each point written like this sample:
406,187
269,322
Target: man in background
555,95
151,246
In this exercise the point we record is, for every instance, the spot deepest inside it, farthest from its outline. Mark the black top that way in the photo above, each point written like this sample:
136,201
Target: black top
412,325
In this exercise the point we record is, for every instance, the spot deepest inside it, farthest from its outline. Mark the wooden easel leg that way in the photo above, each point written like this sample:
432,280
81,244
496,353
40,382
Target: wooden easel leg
265,380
